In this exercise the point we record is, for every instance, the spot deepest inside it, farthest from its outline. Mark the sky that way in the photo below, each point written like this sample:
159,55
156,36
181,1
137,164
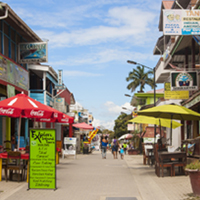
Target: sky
91,41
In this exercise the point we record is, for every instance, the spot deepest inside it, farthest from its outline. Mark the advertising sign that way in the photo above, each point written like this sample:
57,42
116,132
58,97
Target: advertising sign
181,22
70,146
42,169
12,73
33,52
184,81
174,94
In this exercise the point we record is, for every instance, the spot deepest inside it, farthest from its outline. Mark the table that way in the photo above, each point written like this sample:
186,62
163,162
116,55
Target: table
180,156
4,155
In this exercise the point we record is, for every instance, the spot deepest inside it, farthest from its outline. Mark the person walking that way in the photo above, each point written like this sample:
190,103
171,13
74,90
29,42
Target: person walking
115,147
104,144
125,147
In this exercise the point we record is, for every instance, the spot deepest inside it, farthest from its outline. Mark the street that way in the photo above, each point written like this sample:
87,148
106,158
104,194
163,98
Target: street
90,177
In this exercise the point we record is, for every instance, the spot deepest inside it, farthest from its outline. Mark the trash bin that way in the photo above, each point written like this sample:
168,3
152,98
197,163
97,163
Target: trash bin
85,150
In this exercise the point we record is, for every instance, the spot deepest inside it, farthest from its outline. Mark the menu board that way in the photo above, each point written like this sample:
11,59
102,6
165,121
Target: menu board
42,170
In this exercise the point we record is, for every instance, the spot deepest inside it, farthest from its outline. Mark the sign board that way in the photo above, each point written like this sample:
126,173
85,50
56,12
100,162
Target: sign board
184,81
32,52
130,127
70,146
42,163
181,22
59,104
60,87
168,94
13,73
60,80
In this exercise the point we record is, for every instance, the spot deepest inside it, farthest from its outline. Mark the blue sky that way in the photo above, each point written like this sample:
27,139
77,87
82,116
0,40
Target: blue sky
91,40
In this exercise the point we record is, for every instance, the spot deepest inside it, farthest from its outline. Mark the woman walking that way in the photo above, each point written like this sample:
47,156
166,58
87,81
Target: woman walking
104,144
115,148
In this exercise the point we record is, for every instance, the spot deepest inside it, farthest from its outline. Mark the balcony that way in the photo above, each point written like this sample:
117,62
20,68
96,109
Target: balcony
161,74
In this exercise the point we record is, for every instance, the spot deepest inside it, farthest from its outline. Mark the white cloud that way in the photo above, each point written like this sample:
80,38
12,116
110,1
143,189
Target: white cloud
79,73
107,124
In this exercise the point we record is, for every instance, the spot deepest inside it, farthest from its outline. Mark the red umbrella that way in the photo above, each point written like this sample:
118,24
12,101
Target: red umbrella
22,105
83,126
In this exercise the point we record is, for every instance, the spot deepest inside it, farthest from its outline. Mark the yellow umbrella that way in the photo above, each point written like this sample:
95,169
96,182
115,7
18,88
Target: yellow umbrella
158,121
171,111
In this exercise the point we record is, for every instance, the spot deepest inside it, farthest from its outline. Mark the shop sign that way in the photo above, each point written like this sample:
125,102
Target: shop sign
130,127
168,94
70,146
59,104
14,74
184,81
42,168
193,102
32,52
10,91
181,22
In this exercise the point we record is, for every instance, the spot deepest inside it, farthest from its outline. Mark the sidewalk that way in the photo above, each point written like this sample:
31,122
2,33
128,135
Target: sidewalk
90,177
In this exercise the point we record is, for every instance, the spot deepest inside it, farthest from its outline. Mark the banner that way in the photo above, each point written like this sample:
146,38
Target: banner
12,73
93,133
42,168
168,94
32,52
184,81
181,22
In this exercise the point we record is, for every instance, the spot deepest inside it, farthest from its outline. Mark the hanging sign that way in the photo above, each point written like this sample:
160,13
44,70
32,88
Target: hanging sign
32,52
181,22
42,163
175,94
184,81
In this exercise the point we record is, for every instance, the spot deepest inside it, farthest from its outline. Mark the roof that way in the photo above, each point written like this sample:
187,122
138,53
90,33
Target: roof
157,91
167,4
16,22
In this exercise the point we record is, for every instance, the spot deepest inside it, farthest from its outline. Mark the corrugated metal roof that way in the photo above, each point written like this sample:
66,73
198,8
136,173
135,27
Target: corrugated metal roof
167,4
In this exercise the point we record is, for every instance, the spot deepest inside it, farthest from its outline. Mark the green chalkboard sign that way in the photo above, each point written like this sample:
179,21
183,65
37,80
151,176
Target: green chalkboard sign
42,170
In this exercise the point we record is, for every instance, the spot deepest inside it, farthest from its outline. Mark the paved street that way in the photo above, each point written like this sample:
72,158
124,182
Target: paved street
90,177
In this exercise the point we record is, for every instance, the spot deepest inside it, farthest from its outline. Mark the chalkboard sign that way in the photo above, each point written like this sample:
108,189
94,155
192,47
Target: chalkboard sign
42,170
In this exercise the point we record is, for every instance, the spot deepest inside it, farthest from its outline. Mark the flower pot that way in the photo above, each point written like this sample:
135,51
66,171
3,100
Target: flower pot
195,181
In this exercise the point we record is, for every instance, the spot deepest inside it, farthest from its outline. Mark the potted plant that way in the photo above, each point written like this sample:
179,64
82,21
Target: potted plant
194,173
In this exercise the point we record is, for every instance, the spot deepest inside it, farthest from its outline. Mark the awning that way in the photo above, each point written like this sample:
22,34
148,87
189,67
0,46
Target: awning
83,126
197,39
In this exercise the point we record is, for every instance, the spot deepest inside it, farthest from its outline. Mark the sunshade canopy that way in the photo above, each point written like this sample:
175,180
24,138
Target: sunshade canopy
125,136
158,121
171,112
22,105
83,125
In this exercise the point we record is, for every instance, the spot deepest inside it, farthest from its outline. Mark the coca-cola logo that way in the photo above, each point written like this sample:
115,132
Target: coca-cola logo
55,115
39,113
8,111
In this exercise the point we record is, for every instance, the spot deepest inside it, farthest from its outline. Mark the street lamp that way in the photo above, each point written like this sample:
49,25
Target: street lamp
154,83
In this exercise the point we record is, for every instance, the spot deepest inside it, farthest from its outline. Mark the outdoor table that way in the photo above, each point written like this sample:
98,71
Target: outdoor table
181,156
4,155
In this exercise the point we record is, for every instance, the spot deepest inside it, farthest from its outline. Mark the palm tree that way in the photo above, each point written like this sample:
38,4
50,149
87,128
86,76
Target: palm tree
139,78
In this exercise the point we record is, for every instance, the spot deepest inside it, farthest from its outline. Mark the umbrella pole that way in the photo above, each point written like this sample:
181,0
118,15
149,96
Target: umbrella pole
160,127
19,129
171,132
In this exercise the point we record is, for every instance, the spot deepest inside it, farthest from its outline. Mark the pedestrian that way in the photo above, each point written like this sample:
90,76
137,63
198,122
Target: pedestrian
13,142
122,152
115,147
104,144
125,147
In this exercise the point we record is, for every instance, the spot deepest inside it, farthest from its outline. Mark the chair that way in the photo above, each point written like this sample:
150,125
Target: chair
161,165
7,148
145,157
14,163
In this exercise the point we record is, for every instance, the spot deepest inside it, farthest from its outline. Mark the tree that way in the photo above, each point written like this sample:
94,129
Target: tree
121,122
139,78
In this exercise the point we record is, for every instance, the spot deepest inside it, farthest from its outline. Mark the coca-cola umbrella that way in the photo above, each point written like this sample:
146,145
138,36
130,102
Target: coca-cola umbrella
22,105
58,117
